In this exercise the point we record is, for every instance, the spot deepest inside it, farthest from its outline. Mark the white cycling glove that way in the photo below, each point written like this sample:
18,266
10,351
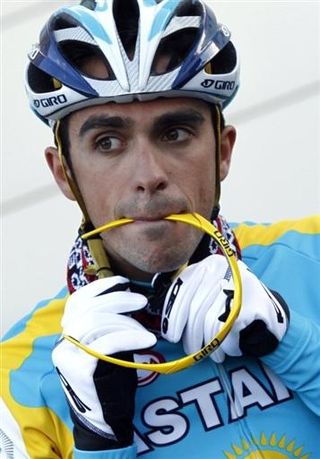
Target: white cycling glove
198,304
101,395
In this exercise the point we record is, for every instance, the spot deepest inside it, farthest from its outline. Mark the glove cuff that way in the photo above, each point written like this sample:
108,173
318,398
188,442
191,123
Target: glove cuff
87,440
256,340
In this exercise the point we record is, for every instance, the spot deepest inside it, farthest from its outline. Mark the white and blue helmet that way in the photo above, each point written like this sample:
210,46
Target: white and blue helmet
129,37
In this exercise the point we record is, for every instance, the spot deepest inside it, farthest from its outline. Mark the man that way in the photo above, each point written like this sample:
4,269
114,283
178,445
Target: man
134,92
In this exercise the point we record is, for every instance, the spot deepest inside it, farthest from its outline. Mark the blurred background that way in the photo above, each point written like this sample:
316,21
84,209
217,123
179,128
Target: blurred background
276,166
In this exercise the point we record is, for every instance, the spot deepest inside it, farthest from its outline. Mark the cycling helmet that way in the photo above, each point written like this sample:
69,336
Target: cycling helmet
148,48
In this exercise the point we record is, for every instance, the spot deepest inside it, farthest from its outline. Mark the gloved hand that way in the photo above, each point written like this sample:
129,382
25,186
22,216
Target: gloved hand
199,301
101,395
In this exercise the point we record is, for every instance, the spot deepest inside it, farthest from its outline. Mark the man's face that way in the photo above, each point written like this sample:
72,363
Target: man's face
145,160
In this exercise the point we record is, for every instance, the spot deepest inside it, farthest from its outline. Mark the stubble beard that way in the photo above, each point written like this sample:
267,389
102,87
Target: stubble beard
152,257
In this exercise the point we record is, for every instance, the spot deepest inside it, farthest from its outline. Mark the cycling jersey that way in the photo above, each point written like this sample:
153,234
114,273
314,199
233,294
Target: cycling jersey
244,408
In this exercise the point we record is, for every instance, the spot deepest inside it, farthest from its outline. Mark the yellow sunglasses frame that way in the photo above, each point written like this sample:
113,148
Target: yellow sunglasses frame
173,366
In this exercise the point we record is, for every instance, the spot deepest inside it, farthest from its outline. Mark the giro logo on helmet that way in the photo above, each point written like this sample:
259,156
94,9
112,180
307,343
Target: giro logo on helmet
225,30
34,53
50,101
218,84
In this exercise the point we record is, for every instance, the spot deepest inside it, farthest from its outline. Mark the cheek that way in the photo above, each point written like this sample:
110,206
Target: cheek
98,193
202,184
207,194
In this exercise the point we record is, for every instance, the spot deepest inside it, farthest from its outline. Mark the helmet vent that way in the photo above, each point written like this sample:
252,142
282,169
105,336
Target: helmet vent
87,59
189,8
127,24
63,22
223,62
90,4
39,81
172,50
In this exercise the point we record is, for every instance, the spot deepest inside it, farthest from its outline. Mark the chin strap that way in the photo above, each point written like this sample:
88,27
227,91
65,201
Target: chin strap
101,266
217,134
68,174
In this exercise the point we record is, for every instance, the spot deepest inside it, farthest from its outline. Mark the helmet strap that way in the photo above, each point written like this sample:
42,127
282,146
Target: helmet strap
68,174
217,133
101,266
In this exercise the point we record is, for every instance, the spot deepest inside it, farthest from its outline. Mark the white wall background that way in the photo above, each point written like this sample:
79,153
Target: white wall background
276,167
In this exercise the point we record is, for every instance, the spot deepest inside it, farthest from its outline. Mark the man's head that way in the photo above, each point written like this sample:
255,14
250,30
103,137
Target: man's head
145,160
138,86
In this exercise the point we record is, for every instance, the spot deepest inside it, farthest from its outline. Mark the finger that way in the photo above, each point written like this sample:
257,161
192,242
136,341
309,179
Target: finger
117,302
193,336
176,307
125,340
212,325
94,289
218,355
69,358
90,326
99,286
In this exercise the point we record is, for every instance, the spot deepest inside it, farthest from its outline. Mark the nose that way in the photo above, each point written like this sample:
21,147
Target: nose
149,169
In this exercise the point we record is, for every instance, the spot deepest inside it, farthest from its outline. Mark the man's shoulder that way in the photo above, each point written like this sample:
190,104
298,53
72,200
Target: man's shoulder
36,413
296,234
39,325
285,255
26,350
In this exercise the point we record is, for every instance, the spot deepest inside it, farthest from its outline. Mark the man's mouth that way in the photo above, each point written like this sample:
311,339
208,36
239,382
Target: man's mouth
148,219
153,218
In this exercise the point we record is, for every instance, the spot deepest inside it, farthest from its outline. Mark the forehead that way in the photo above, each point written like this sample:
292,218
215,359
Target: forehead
140,112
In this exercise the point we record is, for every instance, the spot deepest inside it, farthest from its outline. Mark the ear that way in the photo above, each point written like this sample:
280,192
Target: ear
228,138
58,171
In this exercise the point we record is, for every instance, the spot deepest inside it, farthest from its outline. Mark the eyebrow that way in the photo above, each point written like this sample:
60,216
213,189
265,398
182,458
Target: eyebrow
167,119
96,122
189,116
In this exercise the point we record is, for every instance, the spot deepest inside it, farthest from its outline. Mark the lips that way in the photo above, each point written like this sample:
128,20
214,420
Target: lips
150,217
155,209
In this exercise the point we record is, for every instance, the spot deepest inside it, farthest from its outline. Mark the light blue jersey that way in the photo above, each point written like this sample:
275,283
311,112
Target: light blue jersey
241,409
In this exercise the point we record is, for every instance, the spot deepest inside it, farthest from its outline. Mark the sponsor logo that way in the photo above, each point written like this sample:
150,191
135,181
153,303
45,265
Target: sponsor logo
34,53
225,31
207,350
82,407
210,406
218,84
277,309
50,101
229,294
172,299
224,243
144,376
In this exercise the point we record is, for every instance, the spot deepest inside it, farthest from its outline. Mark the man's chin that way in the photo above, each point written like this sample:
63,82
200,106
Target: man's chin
143,264
165,253
165,262
153,231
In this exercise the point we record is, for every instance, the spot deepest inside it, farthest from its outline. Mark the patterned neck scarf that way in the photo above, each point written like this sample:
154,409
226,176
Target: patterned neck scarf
80,261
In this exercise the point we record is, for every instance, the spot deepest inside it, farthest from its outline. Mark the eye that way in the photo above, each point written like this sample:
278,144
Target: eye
108,143
176,135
